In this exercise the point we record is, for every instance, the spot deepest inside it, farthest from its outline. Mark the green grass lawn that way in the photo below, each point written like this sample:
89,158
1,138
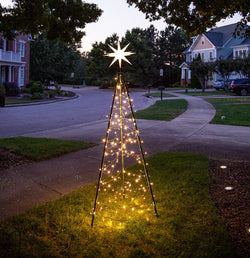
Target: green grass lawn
163,110
10,101
158,94
41,148
21,100
188,224
235,110
206,93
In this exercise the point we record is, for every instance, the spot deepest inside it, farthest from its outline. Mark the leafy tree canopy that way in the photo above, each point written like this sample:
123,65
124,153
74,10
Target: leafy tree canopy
154,50
194,16
201,70
60,19
52,60
225,67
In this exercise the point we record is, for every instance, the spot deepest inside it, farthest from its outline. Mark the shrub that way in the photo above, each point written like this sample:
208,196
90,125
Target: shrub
177,84
37,87
26,90
2,90
11,89
195,82
97,82
37,95
104,85
57,89
28,85
51,94
26,96
2,96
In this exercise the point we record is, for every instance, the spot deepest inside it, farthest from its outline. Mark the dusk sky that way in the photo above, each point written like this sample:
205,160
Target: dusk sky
118,17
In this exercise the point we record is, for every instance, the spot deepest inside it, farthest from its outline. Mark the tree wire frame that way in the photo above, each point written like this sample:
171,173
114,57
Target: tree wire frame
121,87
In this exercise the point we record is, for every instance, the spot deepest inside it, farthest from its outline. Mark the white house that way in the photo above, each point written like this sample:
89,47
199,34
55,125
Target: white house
212,45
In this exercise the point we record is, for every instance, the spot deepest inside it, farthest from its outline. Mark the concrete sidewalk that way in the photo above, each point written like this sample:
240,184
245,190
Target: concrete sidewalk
29,185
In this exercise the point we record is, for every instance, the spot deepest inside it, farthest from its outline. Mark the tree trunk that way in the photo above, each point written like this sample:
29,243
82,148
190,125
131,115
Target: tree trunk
202,82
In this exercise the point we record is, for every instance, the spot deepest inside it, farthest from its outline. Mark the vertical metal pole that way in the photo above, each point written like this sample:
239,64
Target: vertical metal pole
121,131
103,156
142,154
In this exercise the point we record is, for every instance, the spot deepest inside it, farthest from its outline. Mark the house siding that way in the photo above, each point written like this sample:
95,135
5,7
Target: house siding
215,44
226,51
203,47
11,61
203,43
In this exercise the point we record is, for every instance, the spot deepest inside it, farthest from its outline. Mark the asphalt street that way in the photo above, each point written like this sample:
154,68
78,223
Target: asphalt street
91,105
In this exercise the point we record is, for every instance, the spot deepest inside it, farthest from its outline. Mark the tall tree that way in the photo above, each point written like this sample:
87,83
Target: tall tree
244,66
171,43
194,16
202,70
154,50
60,19
141,72
52,60
225,67
97,64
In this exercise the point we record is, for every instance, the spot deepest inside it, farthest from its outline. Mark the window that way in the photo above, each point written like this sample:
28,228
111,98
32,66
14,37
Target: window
211,55
202,56
4,44
202,41
1,44
244,53
21,48
21,76
15,45
236,54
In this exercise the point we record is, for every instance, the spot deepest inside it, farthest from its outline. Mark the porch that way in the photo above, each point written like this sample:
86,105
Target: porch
11,68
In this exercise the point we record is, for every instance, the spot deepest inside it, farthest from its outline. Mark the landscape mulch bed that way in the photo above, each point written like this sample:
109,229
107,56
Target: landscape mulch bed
9,159
233,205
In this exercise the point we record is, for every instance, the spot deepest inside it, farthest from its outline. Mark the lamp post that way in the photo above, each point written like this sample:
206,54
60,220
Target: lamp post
161,88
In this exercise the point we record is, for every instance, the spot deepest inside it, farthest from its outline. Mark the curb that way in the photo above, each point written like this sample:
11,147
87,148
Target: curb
42,102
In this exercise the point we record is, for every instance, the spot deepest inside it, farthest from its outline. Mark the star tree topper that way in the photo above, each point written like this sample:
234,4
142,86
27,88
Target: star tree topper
119,54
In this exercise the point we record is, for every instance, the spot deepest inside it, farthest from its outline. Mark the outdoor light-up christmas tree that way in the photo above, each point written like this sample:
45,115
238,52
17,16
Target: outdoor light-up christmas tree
122,194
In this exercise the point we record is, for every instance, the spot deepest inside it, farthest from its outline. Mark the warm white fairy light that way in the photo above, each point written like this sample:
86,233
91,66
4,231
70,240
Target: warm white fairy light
124,191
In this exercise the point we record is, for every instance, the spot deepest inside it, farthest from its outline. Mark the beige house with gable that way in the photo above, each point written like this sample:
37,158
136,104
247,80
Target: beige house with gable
212,45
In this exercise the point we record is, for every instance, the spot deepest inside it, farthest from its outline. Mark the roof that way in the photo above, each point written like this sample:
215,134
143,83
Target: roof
219,36
184,64
216,38
245,41
195,39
